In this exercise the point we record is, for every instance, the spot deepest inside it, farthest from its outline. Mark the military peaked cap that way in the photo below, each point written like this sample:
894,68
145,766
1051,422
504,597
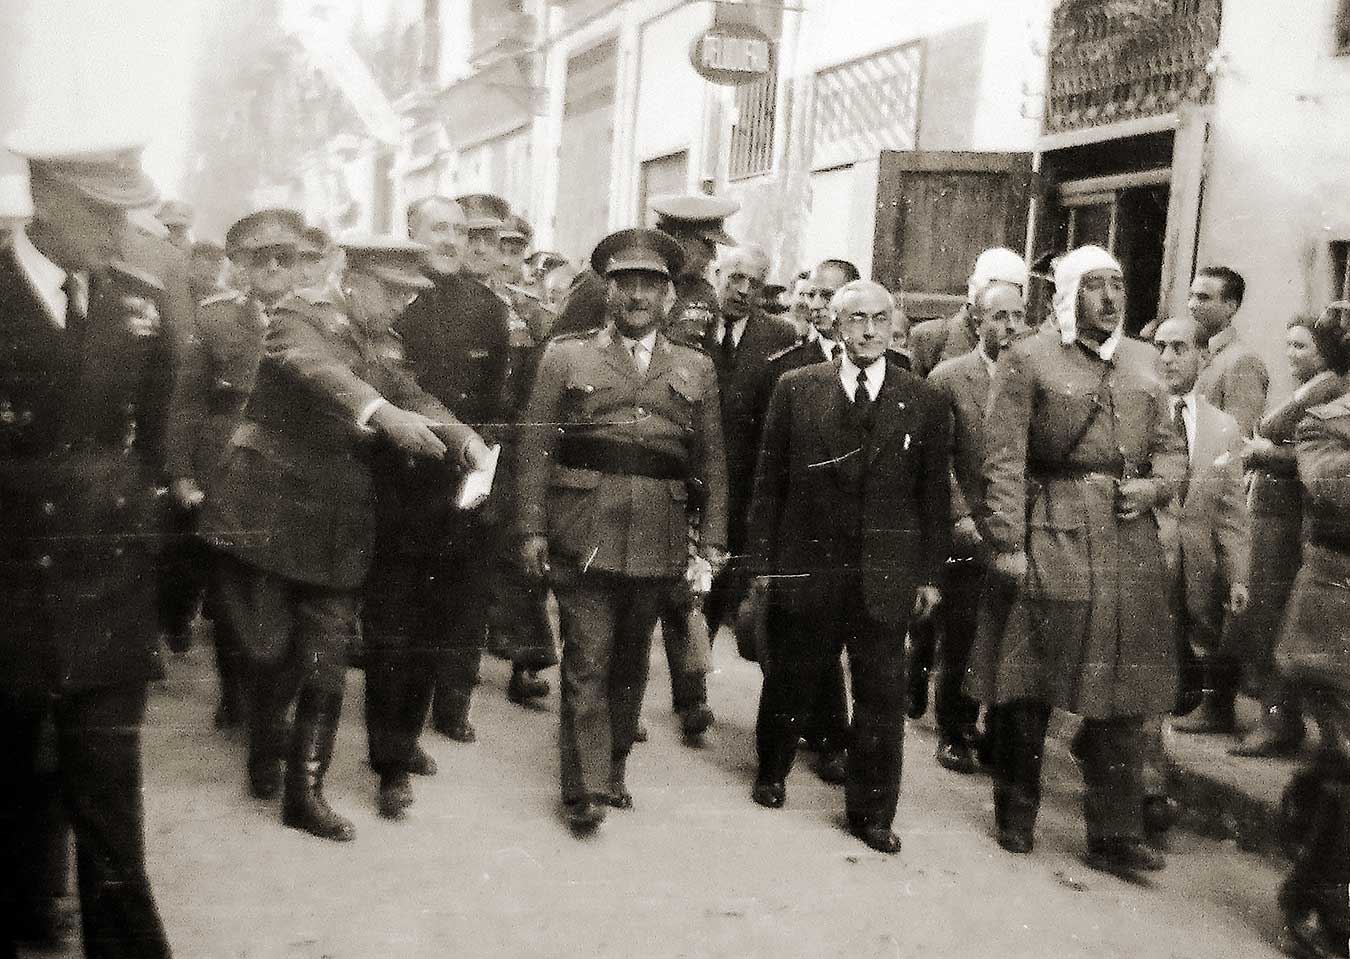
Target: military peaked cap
517,228
315,240
648,250
264,228
174,213
104,167
389,259
484,211
698,213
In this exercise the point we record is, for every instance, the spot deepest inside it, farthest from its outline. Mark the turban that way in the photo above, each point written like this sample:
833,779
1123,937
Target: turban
1069,272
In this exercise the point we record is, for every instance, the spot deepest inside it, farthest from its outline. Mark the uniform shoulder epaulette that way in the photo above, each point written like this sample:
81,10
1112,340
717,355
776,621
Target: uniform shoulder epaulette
223,296
574,335
1329,411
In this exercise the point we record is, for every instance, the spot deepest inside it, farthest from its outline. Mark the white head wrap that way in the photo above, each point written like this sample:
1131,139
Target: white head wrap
1069,272
996,265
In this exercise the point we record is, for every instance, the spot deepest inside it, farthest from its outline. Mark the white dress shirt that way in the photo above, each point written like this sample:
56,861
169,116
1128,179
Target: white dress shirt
848,375
827,346
47,280
737,330
641,350
990,363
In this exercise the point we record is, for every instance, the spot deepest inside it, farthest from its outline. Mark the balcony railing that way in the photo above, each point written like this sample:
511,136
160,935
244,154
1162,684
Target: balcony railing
1113,60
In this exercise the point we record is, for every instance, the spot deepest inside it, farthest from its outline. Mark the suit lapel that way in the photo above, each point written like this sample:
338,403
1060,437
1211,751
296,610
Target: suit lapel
892,413
832,424
618,357
660,361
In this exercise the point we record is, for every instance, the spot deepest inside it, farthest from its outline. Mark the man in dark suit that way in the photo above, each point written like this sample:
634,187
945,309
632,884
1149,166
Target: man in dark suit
619,428
740,343
427,596
85,381
964,382
848,526
826,728
291,507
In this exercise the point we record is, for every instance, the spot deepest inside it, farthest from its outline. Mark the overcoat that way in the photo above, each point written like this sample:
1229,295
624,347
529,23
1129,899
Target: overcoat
292,495
1314,648
1276,507
82,452
1089,631
591,414
964,383
901,475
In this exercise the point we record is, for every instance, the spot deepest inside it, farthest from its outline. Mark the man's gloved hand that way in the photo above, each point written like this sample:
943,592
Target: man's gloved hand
411,432
534,556
475,452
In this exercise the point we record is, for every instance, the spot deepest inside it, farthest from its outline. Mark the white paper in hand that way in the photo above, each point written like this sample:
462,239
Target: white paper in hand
477,483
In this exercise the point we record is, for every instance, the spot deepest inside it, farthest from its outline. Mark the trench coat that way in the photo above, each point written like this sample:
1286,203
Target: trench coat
1314,646
1088,631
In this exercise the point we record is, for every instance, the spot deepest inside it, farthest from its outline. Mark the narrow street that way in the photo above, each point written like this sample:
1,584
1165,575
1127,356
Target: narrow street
484,867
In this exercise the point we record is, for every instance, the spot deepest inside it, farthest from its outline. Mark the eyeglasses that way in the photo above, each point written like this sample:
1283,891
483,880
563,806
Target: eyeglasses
279,255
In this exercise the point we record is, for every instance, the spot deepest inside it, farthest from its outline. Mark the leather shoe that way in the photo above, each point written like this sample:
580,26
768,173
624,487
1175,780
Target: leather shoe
1123,856
771,793
833,766
421,764
461,732
396,795
585,814
1266,740
1018,841
640,734
526,685
955,755
1210,717
877,837
619,797
264,778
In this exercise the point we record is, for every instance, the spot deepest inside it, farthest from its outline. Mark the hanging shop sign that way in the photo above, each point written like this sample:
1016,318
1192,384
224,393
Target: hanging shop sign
730,54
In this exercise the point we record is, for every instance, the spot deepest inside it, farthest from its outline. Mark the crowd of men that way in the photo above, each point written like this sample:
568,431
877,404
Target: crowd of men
283,432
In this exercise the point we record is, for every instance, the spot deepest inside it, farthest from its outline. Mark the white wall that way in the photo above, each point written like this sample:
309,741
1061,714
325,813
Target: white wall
1278,184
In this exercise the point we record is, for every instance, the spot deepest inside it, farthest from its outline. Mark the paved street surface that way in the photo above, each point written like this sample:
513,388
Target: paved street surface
484,867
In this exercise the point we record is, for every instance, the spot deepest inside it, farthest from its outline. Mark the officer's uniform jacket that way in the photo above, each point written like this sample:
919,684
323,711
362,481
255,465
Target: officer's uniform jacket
1314,648
82,428
1234,379
292,494
217,378
1089,632
609,456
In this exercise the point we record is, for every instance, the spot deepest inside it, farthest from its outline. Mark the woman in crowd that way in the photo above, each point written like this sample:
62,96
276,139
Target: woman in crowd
1313,656
1318,360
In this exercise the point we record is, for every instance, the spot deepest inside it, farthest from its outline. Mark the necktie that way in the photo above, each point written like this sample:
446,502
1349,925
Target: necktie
74,313
835,350
1179,418
639,356
728,342
862,401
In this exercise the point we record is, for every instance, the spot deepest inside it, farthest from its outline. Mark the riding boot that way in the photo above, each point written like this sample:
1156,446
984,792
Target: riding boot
304,806
267,733
1214,714
450,713
1018,752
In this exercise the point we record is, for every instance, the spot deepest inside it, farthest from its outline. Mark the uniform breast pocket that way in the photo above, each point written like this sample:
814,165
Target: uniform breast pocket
682,398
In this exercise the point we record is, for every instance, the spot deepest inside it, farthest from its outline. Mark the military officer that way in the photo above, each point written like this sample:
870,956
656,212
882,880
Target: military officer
514,243
618,428
85,380
314,258
1079,449
291,505
214,387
